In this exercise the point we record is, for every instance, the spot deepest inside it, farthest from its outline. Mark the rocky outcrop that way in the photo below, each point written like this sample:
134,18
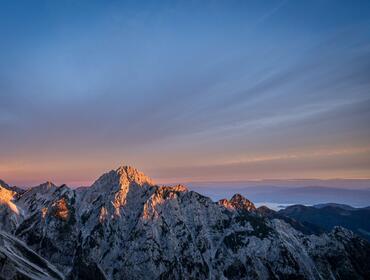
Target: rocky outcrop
238,202
17,261
10,214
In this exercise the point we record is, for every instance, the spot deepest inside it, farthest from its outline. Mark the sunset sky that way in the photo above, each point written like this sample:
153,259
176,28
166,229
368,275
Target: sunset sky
184,90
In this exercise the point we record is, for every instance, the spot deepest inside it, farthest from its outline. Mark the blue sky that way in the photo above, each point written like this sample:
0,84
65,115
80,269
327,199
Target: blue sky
184,90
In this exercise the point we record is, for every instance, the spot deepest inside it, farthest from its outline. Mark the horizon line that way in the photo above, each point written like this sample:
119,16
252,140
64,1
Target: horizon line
73,184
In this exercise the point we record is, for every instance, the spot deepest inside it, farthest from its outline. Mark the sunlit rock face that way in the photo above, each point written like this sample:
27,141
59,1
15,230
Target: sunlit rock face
126,227
10,215
50,223
238,202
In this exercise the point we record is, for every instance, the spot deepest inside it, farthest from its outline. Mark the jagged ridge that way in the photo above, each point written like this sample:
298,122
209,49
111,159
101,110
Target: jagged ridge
126,227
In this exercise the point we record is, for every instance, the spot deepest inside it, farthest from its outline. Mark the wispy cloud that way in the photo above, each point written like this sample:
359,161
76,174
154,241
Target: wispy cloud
180,84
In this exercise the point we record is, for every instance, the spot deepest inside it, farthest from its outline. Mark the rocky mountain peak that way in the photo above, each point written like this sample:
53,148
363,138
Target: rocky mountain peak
6,195
122,177
128,174
4,185
179,188
15,189
238,202
45,186
8,209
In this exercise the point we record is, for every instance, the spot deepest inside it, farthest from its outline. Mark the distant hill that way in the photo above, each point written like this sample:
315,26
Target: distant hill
330,215
338,205
299,194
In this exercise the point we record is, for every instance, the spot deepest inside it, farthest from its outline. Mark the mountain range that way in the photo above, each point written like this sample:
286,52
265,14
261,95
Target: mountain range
355,193
124,226
327,216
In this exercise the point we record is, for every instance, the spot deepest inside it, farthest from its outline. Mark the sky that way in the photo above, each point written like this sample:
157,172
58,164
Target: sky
184,90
